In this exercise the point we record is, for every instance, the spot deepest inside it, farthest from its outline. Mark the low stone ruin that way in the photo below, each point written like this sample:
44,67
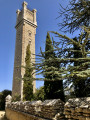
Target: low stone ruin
55,109
47,109
77,109
50,108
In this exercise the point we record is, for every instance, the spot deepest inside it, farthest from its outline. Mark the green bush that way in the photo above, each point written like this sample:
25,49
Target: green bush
3,95
39,94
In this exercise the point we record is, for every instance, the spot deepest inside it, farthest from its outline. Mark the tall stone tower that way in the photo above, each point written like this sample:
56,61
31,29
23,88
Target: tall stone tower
25,34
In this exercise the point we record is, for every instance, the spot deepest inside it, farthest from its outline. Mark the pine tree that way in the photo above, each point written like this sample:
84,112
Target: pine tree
79,73
28,77
78,84
52,87
39,94
77,14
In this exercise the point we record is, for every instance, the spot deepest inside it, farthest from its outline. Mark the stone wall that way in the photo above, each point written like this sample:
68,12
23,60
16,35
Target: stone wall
44,110
77,109
17,115
74,109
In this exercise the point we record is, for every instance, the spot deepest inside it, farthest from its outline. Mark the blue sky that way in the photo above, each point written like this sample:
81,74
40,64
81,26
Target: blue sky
47,12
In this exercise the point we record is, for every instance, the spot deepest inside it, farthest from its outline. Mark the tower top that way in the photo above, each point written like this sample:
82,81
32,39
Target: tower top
24,4
26,15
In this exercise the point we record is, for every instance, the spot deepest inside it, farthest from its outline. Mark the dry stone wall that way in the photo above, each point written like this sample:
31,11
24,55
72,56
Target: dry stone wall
77,109
73,109
50,108
46,110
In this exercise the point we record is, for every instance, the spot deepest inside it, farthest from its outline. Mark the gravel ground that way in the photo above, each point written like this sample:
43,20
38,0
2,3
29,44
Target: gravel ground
2,115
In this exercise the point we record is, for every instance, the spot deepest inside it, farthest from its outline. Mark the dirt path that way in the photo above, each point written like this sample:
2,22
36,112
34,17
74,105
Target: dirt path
2,115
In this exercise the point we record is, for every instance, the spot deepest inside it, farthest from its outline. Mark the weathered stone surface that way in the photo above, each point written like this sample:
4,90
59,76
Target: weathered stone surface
53,109
49,109
77,109
16,115
8,100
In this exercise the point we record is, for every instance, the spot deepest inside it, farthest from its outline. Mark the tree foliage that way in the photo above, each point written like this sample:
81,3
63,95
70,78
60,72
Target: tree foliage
52,87
79,70
76,14
28,76
75,61
73,54
3,95
39,94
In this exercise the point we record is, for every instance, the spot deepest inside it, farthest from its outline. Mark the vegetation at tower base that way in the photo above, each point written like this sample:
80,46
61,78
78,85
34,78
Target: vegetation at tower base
3,95
39,94
16,97
53,88
28,77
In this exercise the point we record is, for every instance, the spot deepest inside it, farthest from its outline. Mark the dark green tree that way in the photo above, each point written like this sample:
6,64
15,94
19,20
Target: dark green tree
77,64
3,95
39,94
75,14
52,87
78,84
28,76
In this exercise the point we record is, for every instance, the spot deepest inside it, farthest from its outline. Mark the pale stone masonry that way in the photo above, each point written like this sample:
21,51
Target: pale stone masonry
25,34
77,109
55,109
35,110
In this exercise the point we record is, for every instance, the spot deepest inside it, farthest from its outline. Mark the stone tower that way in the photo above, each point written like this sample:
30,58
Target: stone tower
25,34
